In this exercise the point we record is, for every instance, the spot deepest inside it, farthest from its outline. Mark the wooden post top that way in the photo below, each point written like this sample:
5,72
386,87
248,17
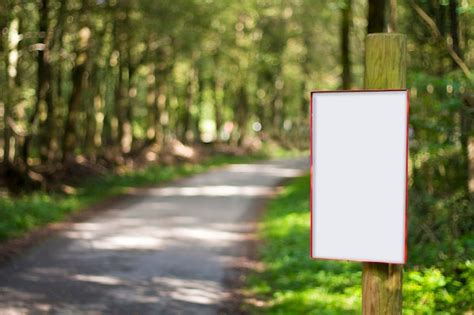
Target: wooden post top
385,61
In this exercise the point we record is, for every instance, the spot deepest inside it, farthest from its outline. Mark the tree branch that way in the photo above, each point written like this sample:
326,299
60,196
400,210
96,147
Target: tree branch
437,35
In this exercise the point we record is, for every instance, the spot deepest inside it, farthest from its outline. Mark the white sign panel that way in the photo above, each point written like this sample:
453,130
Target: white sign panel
359,199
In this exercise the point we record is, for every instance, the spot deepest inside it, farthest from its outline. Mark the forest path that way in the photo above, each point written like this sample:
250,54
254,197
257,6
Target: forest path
165,250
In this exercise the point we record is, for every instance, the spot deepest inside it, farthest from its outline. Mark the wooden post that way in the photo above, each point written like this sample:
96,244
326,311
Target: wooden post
385,68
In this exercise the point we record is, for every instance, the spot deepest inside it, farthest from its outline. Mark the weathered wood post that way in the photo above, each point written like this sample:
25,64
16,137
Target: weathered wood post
385,68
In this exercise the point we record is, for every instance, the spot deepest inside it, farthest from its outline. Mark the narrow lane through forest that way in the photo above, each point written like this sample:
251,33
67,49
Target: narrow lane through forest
165,250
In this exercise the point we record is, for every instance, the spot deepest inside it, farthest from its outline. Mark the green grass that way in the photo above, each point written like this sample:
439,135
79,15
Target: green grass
22,214
292,283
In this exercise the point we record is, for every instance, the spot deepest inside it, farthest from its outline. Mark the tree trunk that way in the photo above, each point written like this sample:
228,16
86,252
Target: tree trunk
160,104
441,19
78,81
99,104
201,82
109,132
241,113
392,20
467,140
44,95
53,124
470,158
345,45
218,104
11,62
454,29
7,133
150,104
129,138
277,121
123,100
187,123
92,110
217,84
120,106
376,16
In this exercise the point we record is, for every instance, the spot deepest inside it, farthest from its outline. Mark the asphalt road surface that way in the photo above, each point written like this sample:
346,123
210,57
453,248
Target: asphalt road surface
165,250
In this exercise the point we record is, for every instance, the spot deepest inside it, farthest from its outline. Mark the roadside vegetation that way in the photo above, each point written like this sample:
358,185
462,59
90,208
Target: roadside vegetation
292,283
20,214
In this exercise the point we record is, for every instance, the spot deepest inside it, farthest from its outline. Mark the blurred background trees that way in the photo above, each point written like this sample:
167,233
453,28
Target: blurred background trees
99,81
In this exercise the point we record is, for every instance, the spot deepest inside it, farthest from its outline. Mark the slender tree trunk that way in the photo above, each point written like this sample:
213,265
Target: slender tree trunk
454,29
11,62
123,100
4,20
44,95
217,84
392,20
441,13
201,82
109,133
128,136
277,107
241,113
266,108
160,104
78,81
376,16
470,157
7,133
93,100
345,45
467,140
120,105
150,104
92,96
99,104
218,104
188,135
53,122
307,76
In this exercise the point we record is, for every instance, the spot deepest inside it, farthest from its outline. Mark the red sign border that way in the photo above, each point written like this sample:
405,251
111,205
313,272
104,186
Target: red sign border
406,172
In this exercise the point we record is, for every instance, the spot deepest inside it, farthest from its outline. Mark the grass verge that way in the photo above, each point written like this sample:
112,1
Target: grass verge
292,283
22,214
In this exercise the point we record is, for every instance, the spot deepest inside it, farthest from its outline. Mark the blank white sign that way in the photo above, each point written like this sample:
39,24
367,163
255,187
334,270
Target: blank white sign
359,175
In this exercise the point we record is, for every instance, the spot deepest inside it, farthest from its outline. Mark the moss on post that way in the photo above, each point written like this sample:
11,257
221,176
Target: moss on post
385,68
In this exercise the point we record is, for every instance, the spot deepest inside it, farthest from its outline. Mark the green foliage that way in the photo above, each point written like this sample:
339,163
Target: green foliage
434,290
441,208
292,283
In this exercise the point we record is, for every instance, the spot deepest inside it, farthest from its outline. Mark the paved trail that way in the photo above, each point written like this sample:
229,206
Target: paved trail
162,251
